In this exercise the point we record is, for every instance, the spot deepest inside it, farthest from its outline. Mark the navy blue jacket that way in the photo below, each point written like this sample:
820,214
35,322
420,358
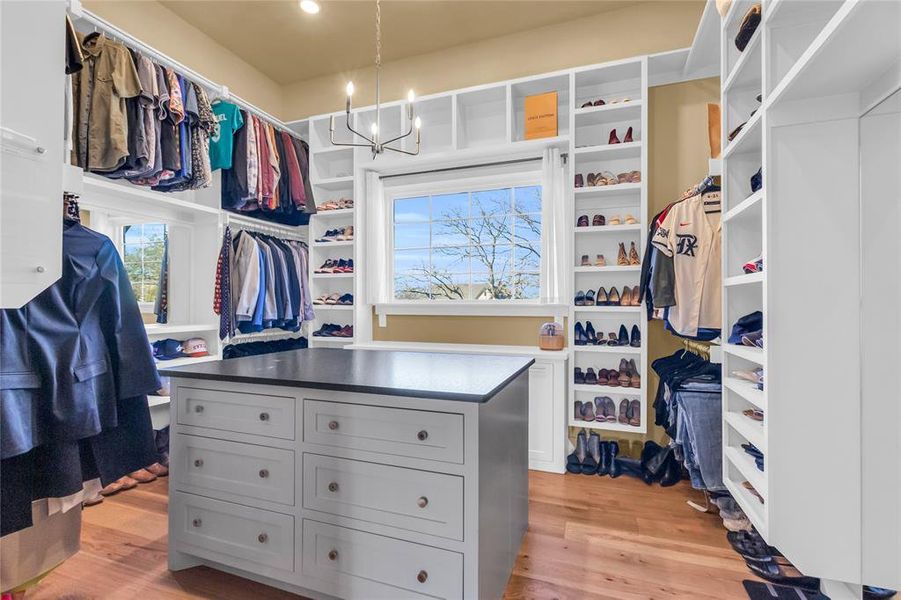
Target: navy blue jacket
74,351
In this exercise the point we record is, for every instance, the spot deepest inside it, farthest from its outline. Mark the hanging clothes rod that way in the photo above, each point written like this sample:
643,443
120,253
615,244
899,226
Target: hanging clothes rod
299,233
218,91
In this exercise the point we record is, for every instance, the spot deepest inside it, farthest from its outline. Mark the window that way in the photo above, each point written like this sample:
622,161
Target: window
143,247
471,245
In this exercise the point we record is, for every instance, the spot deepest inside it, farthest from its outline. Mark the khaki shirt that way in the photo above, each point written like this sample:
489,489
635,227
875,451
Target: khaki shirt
99,90
693,239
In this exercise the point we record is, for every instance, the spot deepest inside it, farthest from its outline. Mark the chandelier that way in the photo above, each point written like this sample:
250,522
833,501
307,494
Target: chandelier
374,140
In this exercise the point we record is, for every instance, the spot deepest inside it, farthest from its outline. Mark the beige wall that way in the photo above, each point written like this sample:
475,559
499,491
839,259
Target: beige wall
504,331
644,28
160,28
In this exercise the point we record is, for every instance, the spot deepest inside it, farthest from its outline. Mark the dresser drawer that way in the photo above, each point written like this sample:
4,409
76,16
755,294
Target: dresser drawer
240,469
256,414
409,499
396,431
232,534
365,565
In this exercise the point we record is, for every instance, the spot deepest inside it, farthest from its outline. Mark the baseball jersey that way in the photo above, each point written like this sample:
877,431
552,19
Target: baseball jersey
693,239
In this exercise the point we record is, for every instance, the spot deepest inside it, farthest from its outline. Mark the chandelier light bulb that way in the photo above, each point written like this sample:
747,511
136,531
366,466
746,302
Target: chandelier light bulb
374,128
309,6
418,123
350,89
411,96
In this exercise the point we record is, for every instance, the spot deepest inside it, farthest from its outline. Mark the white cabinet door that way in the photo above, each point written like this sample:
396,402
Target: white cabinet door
542,418
32,88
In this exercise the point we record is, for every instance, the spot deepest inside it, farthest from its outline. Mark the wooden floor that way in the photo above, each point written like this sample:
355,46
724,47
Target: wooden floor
589,538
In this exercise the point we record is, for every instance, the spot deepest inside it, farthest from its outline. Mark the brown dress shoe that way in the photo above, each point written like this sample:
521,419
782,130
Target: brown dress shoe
624,411
158,470
635,413
636,296
142,476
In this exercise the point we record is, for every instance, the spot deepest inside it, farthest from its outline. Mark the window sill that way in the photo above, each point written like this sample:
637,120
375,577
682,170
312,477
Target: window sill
470,309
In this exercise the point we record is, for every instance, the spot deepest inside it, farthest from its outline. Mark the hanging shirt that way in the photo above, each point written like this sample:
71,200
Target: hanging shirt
230,120
245,273
99,90
693,239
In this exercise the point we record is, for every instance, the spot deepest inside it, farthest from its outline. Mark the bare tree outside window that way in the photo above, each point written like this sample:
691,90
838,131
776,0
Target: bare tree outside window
468,246
143,247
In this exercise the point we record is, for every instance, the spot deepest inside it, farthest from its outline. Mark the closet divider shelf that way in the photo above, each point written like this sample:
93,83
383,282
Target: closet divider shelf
335,244
750,430
744,208
606,426
608,269
746,279
608,113
187,360
748,503
756,355
332,275
748,140
607,309
600,390
746,73
604,190
746,466
608,228
747,390
609,151
342,307
332,340
334,183
608,349
331,214
160,329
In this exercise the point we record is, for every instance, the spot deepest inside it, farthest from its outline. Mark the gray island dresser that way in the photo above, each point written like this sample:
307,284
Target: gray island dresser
352,473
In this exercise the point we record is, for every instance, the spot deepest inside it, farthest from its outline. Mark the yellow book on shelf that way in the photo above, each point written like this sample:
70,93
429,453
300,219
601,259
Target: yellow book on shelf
541,116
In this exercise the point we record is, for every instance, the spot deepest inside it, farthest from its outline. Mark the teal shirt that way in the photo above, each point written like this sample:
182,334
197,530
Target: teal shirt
230,120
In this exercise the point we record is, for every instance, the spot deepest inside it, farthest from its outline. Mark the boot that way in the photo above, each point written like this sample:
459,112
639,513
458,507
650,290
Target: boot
593,457
604,468
615,470
574,460
621,258
673,472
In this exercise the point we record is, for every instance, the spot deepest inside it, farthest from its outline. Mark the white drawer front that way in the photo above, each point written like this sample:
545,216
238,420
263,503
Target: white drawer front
240,469
368,566
396,431
232,534
409,499
256,414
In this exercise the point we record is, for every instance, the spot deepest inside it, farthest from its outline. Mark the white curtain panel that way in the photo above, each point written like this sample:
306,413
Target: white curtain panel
377,235
554,234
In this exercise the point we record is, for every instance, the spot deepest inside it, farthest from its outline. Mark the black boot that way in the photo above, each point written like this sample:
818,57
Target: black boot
614,465
604,467
574,460
673,472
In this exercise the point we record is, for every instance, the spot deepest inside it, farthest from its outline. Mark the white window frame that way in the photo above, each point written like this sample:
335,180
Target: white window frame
120,225
528,307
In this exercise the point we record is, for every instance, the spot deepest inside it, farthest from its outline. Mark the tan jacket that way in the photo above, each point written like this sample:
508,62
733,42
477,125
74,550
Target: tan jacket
99,90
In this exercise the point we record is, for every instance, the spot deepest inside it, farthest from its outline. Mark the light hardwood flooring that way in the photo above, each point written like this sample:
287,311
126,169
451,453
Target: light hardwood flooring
590,538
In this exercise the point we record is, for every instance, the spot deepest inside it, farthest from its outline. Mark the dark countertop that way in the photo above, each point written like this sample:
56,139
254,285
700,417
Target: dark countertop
461,377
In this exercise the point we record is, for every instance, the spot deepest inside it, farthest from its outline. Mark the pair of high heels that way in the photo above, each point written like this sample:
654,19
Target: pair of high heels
632,258
613,139
587,336
626,376
593,456
628,297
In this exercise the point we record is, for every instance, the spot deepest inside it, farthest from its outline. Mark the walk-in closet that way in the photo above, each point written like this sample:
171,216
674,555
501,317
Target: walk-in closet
442,299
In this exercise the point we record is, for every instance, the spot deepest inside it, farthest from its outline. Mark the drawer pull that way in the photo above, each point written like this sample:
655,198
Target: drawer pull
333,425
333,487
264,473
262,538
198,408
198,462
196,522
422,435
333,555
422,502
264,416
422,576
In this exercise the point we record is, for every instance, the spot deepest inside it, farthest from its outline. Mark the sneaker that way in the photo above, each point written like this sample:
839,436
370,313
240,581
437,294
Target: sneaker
753,266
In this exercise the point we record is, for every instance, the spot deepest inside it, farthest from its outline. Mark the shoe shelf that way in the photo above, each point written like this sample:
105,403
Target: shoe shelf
755,355
341,307
334,214
333,275
608,228
590,129
752,507
747,428
746,279
335,244
747,71
748,141
745,208
332,339
746,466
747,390
608,349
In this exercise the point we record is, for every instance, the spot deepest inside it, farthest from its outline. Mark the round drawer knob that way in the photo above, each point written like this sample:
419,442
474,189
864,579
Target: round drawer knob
198,463
198,408
262,538
264,473
40,269
333,425
333,487
196,522
264,416
422,502
333,555
422,435
422,576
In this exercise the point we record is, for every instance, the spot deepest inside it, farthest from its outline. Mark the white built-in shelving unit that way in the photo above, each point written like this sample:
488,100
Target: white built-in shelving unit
820,66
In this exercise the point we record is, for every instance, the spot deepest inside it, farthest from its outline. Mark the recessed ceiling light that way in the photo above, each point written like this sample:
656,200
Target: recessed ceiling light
309,6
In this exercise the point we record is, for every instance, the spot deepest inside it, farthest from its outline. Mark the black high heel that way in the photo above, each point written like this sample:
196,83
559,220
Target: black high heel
580,339
591,334
602,298
613,297
623,336
635,341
